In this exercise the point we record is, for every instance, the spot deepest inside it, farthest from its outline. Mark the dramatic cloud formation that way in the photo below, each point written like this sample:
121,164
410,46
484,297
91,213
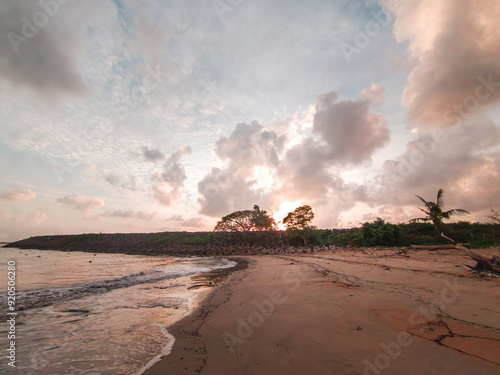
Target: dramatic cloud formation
248,147
99,99
458,59
456,77
351,132
464,160
18,195
81,202
167,185
264,168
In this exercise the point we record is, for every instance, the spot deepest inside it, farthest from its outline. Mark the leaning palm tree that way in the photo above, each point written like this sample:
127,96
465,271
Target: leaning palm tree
435,213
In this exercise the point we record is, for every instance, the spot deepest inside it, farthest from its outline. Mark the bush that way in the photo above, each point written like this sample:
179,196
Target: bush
380,233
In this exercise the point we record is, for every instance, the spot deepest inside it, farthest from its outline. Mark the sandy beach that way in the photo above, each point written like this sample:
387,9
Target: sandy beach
344,312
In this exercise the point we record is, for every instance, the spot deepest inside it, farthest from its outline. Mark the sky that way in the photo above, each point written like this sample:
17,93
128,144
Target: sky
147,116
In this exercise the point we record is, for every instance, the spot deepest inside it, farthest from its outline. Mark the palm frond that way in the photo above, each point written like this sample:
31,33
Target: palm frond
423,200
439,199
424,211
418,219
457,211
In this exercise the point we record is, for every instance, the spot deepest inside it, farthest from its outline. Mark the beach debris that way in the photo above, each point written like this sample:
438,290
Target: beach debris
482,263
359,328
78,311
435,247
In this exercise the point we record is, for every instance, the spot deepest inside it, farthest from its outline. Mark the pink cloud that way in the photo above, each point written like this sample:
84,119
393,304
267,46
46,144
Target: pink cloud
18,195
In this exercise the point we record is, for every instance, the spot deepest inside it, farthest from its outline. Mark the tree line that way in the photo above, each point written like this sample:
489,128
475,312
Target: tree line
298,223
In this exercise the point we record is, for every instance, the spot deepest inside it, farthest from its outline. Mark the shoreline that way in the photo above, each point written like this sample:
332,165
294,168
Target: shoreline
333,313
191,321
206,280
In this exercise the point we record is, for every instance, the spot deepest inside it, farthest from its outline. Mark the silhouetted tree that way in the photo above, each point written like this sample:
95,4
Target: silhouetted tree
435,213
298,222
246,221
494,215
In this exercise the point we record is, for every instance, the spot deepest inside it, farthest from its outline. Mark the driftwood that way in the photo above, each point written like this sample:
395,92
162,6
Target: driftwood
433,247
483,263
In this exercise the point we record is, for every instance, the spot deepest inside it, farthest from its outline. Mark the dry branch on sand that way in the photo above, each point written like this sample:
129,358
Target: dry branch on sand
482,263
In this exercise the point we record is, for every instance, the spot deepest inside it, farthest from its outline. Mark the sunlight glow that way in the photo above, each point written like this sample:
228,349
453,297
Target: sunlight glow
284,208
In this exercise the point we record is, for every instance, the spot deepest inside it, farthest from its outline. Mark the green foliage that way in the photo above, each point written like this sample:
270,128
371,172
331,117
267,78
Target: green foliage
298,223
380,233
246,221
300,218
435,213
183,238
345,237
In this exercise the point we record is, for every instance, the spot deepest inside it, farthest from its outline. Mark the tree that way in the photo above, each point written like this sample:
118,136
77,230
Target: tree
494,215
380,233
435,213
298,222
246,221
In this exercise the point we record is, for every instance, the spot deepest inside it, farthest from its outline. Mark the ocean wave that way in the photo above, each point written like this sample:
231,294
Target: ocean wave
46,297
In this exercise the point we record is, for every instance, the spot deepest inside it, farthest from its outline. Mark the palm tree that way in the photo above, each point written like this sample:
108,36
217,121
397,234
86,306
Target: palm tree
435,213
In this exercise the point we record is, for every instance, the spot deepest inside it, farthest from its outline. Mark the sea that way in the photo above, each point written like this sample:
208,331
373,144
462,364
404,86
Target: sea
96,314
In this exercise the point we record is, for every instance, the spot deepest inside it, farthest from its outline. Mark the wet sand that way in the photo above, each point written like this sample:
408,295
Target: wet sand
344,312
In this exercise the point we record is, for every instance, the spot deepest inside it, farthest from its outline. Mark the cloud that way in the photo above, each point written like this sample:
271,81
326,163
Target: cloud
18,195
250,145
455,45
34,52
352,132
112,179
115,180
129,215
193,222
236,187
81,202
344,134
224,190
374,94
167,185
349,134
35,218
464,160
152,154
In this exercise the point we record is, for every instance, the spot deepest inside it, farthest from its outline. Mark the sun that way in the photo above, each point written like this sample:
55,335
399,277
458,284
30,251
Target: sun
284,208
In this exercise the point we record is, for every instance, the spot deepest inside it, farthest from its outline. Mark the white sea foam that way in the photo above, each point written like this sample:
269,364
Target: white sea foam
131,302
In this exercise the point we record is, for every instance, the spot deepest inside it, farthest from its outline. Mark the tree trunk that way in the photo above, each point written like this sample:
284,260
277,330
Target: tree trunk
483,263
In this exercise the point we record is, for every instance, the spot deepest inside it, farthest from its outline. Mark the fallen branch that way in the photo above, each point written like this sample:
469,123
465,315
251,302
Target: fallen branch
433,247
483,263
